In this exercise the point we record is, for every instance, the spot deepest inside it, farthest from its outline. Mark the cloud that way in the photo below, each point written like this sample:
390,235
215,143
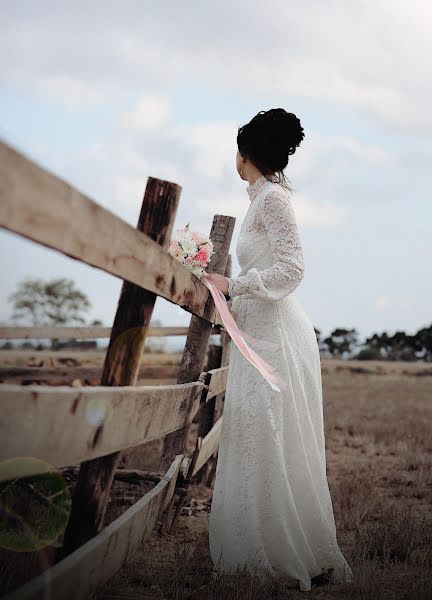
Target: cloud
372,59
201,158
313,213
151,114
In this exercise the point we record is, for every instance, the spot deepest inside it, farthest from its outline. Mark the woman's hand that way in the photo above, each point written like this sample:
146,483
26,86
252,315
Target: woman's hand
219,281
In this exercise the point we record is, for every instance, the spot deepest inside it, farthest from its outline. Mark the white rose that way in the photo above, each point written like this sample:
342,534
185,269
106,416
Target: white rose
189,246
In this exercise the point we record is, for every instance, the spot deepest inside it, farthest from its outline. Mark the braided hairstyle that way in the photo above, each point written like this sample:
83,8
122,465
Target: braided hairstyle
269,139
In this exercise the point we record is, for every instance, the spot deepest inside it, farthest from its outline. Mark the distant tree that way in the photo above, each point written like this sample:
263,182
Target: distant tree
55,302
400,345
7,345
422,342
380,342
341,342
368,353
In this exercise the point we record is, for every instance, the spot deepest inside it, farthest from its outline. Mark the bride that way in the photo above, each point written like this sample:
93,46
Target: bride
271,509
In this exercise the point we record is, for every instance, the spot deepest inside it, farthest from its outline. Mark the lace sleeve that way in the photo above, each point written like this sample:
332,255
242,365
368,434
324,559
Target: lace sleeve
282,278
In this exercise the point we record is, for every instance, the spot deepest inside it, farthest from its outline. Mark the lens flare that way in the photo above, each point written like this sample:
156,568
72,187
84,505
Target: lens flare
35,504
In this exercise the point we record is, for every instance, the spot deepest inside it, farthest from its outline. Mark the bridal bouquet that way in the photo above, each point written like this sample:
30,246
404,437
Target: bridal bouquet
192,249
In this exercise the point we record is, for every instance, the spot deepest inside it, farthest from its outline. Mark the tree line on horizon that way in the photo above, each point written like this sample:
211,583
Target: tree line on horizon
59,302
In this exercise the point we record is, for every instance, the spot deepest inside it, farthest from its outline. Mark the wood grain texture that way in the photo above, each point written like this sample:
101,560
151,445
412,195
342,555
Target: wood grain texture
217,382
42,207
209,446
65,426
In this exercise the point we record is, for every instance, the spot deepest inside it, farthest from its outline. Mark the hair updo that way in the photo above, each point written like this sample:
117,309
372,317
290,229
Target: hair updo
269,139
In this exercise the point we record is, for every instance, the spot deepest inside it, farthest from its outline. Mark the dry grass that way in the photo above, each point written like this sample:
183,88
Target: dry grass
379,467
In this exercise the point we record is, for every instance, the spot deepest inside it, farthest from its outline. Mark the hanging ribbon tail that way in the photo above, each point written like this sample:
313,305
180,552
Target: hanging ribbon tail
238,337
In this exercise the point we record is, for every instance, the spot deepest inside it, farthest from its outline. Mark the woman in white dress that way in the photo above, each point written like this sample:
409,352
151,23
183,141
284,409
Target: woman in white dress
271,509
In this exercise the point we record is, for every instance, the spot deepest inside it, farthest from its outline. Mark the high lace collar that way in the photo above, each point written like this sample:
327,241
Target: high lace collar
253,189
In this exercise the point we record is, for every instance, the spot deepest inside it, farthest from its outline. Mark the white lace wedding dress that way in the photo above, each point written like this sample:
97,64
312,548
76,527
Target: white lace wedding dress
271,508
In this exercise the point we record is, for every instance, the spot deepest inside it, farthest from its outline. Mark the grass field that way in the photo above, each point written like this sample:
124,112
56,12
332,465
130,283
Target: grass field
379,465
378,419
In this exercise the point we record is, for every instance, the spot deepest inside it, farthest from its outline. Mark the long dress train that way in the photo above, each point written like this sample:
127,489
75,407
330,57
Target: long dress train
271,508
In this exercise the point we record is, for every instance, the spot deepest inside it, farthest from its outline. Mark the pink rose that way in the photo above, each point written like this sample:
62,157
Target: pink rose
175,249
202,257
174,244
208,248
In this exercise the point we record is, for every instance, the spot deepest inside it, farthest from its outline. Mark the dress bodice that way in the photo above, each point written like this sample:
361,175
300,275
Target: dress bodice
268,248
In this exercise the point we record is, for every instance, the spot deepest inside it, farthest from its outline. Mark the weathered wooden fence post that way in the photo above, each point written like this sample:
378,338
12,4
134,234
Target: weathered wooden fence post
225,342
194,353
216,407
121,366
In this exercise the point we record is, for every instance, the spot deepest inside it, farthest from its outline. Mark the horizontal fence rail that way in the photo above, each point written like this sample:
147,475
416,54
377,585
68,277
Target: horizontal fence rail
41,207
82,333
65,426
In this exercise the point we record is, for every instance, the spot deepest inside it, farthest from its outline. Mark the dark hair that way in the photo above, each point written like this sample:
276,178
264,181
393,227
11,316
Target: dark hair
269,139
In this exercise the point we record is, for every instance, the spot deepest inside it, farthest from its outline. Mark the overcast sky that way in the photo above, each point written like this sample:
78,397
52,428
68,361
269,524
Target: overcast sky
106,94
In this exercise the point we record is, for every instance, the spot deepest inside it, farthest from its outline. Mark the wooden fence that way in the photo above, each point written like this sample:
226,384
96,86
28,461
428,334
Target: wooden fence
51,423
78,333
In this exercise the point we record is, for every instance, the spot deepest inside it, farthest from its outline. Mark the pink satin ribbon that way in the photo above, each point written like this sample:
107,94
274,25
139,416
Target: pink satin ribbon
238,337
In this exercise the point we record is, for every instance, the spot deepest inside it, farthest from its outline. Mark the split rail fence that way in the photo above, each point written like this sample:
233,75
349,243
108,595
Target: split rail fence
51,423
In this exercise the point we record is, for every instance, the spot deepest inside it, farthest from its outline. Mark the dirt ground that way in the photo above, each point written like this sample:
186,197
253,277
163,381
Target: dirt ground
378,419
